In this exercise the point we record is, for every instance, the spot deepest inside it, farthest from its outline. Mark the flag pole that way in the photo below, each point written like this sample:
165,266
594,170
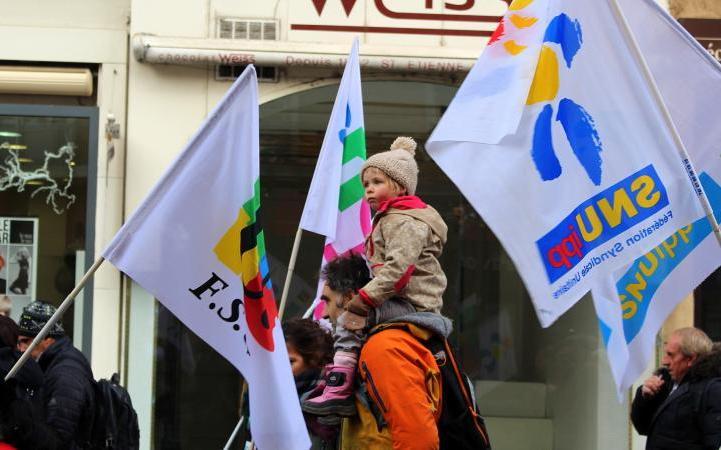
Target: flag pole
661,104
234,434
289,275
281,310
55,317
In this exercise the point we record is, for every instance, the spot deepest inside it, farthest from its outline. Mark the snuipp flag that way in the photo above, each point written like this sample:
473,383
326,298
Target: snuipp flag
197,245
585,176
634,302
335,207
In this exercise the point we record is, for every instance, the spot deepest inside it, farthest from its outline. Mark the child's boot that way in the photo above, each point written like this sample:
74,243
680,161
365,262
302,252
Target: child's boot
337,396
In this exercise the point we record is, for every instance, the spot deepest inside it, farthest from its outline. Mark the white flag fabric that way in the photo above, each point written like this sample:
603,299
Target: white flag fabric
633,304
196,244
336,207
589,179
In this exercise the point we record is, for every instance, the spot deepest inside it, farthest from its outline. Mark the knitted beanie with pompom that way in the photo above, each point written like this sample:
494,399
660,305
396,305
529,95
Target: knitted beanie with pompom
399,163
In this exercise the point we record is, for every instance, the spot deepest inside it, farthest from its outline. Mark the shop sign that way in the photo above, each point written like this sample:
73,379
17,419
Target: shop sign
713,46
18,260
707,32
409,17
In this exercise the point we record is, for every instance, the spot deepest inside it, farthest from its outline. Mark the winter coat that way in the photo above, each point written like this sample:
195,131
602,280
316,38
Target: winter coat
403,250
23,387
69,393
403,380
22,418
689,418
322,436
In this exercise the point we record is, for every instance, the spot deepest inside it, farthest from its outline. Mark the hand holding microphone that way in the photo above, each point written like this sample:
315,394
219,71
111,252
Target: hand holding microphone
652,386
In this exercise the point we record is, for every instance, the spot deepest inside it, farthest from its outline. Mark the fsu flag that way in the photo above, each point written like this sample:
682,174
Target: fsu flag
196,243
555,139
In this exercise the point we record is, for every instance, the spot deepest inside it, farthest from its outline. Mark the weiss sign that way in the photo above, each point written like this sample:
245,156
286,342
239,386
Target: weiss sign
467,18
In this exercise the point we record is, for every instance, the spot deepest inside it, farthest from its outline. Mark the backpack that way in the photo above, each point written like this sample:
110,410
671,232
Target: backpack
460,425
116,422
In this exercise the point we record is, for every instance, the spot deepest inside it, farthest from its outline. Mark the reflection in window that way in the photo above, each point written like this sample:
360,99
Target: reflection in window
43,183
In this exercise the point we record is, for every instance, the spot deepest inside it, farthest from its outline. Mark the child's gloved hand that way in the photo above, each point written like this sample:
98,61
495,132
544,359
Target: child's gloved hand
357,306
356,314
352,321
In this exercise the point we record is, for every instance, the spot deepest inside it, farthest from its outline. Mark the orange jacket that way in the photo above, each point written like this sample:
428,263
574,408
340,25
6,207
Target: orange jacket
404,381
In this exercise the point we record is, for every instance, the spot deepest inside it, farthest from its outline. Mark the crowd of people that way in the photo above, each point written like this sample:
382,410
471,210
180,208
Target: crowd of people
396,401
370,384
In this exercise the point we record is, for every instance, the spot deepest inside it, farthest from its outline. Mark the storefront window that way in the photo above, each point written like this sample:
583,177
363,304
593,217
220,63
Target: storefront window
547,374
44,183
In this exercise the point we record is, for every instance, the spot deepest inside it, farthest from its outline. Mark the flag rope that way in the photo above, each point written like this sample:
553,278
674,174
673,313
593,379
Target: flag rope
661,104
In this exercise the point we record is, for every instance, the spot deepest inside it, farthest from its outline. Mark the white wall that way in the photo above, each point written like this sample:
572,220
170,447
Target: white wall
91,32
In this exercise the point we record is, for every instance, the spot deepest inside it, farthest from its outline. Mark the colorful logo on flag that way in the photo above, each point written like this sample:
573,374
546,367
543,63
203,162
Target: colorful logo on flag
242,250
354,216
351,189
595,221
578,125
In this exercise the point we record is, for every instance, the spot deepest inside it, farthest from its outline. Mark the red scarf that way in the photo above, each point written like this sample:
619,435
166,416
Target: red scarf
402,202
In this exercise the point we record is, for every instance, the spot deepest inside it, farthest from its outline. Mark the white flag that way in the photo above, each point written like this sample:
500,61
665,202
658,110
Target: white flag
643,294
196,244
589,179
336,207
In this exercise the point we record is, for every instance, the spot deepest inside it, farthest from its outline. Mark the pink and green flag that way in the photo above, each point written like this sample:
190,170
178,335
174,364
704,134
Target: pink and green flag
335,207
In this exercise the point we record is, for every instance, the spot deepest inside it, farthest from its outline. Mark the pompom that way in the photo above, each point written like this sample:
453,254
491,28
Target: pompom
404,143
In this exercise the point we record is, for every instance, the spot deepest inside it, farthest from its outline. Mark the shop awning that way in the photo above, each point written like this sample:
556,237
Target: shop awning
45,80
197,51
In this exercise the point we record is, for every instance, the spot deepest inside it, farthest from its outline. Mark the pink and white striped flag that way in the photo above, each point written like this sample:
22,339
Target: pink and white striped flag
335,207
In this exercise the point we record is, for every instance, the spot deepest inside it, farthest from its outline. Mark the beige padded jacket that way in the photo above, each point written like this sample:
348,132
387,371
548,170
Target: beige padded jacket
403,251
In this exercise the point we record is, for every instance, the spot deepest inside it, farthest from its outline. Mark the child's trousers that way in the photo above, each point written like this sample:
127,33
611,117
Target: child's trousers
352,341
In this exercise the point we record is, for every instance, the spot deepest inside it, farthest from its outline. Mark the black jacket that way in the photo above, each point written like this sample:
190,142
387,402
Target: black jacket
69,394
22,419
689,418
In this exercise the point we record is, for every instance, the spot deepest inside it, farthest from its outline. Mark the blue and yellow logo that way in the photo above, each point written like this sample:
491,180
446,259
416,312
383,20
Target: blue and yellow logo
600,218
578,125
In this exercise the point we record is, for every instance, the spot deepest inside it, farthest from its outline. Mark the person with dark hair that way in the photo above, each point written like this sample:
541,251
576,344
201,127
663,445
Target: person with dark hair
310,348
398,402
21,418
343,277
9,331
69,392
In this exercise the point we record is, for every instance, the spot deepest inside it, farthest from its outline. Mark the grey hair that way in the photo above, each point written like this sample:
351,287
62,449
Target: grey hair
693,341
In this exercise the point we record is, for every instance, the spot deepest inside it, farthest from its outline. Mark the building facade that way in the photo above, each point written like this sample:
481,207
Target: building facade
124,84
